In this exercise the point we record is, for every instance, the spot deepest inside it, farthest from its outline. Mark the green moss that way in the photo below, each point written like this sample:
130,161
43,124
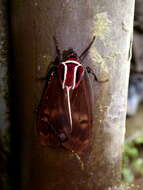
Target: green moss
131,150
139,140
137,166
128,175
132,160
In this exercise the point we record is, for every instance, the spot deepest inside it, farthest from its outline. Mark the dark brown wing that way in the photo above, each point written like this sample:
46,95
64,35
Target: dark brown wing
53,117
81,109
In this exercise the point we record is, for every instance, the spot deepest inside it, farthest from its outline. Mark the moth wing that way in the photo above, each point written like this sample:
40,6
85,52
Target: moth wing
81,109
53,116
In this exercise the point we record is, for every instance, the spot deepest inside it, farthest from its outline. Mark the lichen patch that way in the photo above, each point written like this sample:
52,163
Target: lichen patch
102,25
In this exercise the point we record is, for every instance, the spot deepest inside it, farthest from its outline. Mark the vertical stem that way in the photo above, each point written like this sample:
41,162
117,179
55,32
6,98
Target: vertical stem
73,23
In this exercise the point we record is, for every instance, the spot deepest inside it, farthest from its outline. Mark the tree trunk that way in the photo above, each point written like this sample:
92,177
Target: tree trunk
74,23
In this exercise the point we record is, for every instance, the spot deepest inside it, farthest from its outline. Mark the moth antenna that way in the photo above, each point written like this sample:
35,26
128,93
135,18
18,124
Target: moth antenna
57,48
69,106
84,53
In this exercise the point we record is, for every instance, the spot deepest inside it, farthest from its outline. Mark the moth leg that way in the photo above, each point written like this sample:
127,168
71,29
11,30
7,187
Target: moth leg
36,109
42,78
51,72
90,71
85,52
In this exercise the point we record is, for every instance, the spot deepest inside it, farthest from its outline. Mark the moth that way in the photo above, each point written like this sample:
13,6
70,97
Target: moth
65,110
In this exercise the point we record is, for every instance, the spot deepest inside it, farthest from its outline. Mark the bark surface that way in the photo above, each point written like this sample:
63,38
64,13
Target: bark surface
4,116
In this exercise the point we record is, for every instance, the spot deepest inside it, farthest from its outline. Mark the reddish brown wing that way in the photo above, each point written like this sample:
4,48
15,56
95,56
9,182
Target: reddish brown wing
81,109
53,116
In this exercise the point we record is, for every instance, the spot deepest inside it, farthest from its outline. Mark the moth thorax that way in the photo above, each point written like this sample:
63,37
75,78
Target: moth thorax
70,74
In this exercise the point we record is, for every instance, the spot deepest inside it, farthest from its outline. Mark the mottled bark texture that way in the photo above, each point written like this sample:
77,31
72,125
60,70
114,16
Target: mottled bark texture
4,119
34,23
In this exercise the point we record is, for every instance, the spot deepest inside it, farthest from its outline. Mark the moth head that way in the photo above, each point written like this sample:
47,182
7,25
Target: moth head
70,71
